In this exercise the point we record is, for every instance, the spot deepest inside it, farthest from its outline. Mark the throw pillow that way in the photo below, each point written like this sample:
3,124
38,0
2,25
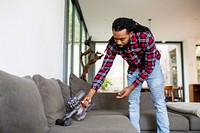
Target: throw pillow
65,90
22,109
52,98
77,84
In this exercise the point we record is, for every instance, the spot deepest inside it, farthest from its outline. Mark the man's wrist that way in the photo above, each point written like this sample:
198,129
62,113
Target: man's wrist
132,87
91,93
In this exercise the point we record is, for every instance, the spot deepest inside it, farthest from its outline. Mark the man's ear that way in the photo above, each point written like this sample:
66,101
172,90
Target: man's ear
131,34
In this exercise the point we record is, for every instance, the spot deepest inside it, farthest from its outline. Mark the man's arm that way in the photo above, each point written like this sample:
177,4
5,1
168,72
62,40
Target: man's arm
105,68
99,78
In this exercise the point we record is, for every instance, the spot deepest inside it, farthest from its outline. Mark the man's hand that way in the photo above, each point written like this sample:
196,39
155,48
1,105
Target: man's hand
88,97
125,92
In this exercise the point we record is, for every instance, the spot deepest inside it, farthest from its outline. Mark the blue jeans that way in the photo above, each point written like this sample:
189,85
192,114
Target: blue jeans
156,86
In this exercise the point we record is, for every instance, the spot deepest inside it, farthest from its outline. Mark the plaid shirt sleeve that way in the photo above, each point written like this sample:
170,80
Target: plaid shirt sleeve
148,45
107,64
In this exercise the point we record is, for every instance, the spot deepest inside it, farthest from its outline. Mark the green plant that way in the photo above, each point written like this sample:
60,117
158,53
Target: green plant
106,84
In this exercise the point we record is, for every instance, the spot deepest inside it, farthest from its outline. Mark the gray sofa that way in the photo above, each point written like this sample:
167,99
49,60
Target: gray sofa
107,104
32,104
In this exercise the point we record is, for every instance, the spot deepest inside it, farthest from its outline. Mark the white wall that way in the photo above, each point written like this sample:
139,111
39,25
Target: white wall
31,37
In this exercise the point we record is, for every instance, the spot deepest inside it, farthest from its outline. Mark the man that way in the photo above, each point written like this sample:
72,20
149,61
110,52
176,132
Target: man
135,43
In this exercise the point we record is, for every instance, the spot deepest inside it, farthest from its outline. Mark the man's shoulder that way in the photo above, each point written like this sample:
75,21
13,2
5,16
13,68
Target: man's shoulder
143,34
111,46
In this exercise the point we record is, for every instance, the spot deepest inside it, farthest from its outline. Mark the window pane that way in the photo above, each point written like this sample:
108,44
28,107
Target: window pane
76,58
83,47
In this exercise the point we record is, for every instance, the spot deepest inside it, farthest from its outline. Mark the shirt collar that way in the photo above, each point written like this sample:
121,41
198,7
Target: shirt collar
133,39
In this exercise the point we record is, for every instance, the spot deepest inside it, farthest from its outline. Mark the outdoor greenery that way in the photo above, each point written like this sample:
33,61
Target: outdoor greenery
107,83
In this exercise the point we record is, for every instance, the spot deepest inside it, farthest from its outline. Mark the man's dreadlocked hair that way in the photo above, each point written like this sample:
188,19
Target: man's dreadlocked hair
129,25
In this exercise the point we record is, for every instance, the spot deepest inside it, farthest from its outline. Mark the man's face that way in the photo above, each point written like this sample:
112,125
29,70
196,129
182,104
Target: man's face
122,37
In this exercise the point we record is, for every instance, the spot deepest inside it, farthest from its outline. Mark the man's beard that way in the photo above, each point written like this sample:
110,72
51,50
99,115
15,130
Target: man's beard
123,46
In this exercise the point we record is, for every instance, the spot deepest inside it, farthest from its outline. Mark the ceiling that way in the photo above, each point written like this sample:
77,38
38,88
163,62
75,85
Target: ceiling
171,20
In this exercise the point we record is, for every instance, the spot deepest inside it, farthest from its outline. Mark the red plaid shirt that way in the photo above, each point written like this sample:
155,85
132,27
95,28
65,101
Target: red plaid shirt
140,53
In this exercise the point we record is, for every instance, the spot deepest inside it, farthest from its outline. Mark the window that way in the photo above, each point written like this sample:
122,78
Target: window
76,34
76,48
83,47
69,33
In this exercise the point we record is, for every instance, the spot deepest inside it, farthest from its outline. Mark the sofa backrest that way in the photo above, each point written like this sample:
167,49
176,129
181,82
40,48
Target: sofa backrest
109,101
146,102
21,106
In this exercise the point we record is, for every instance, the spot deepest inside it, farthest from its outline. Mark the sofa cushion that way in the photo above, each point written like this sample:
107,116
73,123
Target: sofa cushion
22,109
52,98
77,84
177,122
194,121
65,90
98,124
